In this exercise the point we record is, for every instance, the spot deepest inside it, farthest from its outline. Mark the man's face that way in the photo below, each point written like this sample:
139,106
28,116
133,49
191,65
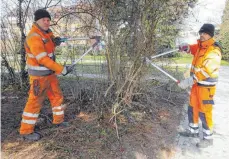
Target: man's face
44,23
204,36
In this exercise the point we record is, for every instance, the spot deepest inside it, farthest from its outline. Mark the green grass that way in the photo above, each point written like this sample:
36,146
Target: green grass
94,69
90,57
224,63
187,59
182,60
93,63
97,57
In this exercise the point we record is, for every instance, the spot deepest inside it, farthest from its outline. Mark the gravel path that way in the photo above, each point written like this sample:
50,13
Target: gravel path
185,147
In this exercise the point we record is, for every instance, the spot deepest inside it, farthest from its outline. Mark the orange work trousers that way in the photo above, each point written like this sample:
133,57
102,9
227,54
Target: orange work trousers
40,87
200,106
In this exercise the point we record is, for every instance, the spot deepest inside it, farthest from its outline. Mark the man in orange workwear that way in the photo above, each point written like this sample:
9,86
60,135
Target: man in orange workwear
203,78
42,69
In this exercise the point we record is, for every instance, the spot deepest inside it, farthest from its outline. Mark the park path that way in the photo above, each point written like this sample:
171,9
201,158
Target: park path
185,147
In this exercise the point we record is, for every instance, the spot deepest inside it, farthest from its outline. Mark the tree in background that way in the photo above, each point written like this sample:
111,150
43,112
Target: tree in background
224,32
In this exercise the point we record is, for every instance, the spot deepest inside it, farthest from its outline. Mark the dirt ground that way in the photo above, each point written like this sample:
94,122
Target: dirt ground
146,133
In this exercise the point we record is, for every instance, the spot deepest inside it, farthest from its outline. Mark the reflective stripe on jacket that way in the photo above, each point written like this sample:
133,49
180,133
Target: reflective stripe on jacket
40,56
206,62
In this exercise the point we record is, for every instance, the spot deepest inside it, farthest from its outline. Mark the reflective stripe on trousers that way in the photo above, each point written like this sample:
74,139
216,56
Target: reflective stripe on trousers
200,106
193,124
39,88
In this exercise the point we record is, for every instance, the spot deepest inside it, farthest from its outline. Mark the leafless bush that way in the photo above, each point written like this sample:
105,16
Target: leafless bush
131,29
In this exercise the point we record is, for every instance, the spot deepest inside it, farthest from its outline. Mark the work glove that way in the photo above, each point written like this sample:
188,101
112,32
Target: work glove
186,83
184,47
67,70
57,41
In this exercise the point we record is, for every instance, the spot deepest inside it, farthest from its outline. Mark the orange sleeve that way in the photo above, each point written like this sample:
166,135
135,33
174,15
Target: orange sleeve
193,48
37,47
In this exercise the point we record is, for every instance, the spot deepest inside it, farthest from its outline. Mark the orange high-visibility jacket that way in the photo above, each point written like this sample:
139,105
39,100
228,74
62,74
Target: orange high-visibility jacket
206,62
40,56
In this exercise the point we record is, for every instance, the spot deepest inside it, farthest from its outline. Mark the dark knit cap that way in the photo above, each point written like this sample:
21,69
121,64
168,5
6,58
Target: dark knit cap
207,28
41,13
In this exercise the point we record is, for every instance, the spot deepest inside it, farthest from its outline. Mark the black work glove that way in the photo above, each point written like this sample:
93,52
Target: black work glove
57,41
67,70
184,47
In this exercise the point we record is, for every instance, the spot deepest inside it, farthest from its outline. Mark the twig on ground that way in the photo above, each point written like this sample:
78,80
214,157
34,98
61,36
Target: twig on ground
115,115
116,127
46,117
169,101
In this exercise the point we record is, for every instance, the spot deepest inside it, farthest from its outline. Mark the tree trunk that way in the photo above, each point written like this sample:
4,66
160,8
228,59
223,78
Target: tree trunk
21,25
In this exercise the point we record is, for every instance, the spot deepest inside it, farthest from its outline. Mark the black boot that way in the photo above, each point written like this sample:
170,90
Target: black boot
188,133
32,137
62,125
205,143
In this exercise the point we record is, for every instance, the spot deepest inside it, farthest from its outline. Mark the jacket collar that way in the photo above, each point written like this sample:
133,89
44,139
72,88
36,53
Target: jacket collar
206,44
38,28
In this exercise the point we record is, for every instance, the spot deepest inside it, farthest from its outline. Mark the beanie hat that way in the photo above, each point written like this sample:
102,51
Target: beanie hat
207,28
41,13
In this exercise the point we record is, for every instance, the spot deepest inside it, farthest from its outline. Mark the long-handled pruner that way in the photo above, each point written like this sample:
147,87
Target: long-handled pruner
74,39
97,38
174,79
164,53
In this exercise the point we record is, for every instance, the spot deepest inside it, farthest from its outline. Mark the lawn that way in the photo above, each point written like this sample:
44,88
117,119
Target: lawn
187,59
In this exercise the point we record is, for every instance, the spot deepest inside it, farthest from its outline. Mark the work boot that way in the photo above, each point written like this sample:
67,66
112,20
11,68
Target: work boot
205,143
32,137
188,133
63,125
